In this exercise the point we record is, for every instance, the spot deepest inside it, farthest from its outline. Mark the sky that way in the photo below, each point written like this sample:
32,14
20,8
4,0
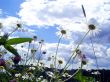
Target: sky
46,18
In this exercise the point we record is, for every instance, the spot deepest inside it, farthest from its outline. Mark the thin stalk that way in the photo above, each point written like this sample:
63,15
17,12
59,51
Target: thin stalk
40,54
66,66
57,50
75,72
31,56
75,50
57,53
27,53
13,31
95,55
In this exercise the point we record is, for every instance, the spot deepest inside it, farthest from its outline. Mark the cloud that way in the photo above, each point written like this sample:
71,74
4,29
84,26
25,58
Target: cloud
68,15
65,13
9,24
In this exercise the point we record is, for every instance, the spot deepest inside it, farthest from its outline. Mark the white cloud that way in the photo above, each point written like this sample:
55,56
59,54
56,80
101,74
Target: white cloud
9,24
68,15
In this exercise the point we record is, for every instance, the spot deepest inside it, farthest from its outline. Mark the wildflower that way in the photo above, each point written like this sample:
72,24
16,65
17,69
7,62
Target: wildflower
2,62
66,75
33,50
8,64
50,74
96,73
29,73
63,31
60,61
81,56
25,76
78,51
41,41
44,52
44,80
84,60
51,66
32,68
39,79
41,76
17,75
2,53
16,59
91,27
34,38
18,25
41,63
2,69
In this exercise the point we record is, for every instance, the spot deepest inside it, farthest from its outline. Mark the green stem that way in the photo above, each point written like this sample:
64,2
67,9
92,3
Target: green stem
40,54
75,51
27,53
13,31
57,50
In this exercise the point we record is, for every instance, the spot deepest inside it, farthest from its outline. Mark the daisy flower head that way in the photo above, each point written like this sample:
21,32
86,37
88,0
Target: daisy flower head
65,33
60,61
50,74
93,26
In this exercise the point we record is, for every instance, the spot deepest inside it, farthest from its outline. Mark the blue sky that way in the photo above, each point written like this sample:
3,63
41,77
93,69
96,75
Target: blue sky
45,19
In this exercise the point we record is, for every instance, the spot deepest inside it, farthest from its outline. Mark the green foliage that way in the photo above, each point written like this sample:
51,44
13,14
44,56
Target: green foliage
18,40
82,78
7,43
11,49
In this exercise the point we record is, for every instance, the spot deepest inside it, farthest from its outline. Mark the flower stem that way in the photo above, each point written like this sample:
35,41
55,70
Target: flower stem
57,49
71,57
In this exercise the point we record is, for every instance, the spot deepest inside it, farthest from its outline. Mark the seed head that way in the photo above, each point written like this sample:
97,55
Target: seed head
44,52
91,27
34,38
60,61
78,51
18,25
63,31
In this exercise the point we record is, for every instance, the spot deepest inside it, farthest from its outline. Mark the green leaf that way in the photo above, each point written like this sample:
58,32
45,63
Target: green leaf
18,40
11,49
82,78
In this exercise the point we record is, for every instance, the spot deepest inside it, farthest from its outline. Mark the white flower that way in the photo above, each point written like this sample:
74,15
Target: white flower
66,75
32,68
9,63
65,32
25,76
96,73
93,26
2,69
81,56
50,74
44,80
17,75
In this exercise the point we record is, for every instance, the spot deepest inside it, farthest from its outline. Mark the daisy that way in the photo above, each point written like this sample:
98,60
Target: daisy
50,74
65,33
81,56
94,29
